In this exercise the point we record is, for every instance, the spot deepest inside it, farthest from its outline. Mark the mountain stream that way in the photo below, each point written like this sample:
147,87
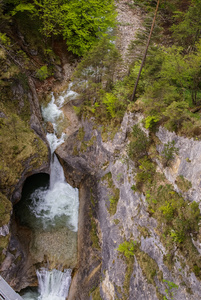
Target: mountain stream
51,210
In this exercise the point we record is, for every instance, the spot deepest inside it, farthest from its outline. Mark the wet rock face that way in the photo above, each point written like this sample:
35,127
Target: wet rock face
16,265
109,166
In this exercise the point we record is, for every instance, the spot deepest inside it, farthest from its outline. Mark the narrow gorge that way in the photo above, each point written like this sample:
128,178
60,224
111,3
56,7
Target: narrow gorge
100,195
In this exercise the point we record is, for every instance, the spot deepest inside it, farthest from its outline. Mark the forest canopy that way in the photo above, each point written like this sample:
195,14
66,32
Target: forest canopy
80,22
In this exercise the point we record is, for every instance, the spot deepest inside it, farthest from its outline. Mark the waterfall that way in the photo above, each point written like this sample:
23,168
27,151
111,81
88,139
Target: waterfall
55,206
58,205
53,285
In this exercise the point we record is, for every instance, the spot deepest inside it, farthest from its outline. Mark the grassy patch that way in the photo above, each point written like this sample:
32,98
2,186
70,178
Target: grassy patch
81,134
4,241
94,235
94,227
178,220
114,201
128,274
143,231
116,221
96,294
183,184
114,193
149,267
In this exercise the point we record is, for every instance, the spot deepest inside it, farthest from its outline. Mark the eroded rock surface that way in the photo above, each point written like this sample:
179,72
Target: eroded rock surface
109,166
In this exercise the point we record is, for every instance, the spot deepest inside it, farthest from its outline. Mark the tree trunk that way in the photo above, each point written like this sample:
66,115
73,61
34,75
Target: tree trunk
145,54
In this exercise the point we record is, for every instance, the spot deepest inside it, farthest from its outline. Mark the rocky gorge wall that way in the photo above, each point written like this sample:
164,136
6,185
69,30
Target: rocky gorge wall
111,211
117,214
27,153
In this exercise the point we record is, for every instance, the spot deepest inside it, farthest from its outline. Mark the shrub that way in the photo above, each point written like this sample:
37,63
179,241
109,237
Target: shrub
146,172
42,73
139,144
183,184
168,153
150,122
127,248
110,102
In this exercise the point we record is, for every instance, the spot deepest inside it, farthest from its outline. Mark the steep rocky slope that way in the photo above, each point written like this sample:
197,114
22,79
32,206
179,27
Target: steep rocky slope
115,213
124,249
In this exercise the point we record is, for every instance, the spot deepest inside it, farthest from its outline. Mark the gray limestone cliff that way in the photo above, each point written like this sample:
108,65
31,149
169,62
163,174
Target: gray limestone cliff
106,175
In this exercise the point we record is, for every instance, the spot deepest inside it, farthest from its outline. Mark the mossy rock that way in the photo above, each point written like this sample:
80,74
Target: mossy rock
96,294
24,146
5,210
4,241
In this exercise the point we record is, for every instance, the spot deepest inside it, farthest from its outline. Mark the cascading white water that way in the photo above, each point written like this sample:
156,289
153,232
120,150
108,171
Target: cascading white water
53,285
60,202
56,206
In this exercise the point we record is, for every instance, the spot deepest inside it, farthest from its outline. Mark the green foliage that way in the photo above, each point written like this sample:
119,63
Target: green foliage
167,210
183,184
103,98
110,102
151,121
85,21
180,218
42,73
22,143
186,29
176,112
96,294
145,173
171,86
114,201
23,7
139,143
169,152
114,193
127,248
4,39
51,15
93,234
171,285
95,72
81,23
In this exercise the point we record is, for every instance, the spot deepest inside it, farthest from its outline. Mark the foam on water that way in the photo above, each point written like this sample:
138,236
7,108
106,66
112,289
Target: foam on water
67,96
55,206
52,285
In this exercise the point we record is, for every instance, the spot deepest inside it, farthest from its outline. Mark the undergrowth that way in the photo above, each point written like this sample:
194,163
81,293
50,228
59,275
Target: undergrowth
178,219
114,193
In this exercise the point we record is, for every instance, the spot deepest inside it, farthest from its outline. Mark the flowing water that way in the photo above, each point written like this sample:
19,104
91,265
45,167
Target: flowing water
52,206
52,285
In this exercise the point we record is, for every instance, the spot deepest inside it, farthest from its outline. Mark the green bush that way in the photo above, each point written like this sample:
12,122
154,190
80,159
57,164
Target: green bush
183,184
168,153
151,121
139,144
145,173
167,210
127,248
42,73
110,102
